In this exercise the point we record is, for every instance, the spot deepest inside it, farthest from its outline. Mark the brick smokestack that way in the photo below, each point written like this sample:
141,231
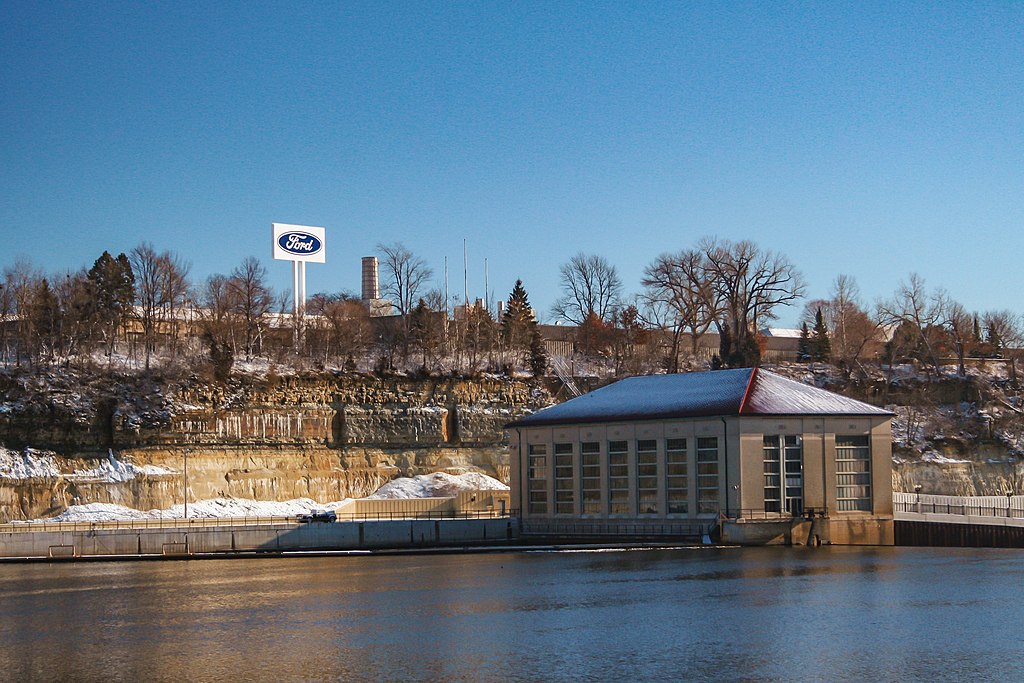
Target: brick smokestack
371,285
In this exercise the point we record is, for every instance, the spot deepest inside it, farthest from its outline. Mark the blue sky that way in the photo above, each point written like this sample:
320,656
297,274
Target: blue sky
867,139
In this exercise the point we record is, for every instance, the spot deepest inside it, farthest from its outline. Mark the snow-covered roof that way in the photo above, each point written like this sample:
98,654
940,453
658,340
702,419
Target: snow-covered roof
747,391
786,332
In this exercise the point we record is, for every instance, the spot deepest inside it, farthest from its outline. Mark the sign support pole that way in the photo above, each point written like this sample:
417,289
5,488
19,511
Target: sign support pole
299,244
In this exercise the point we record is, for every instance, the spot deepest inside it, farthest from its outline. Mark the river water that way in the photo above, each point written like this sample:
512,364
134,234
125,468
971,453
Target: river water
823,614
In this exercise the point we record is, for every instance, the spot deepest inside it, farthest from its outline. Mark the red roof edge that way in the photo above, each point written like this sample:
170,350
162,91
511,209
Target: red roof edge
746,392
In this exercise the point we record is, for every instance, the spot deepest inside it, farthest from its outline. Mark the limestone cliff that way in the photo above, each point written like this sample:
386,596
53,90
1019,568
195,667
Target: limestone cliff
322,436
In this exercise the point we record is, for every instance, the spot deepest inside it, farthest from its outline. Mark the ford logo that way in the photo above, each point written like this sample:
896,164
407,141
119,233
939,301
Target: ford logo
300,243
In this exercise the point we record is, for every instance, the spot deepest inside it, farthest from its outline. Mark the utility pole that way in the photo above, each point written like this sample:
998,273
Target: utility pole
184,455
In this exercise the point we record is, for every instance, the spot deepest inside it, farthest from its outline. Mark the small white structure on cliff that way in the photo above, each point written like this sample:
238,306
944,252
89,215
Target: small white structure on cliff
772,459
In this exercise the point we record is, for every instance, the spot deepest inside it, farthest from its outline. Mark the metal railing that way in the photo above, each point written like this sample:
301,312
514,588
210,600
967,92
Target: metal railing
760,514
565,375
964,508
167,523
425,514
206,522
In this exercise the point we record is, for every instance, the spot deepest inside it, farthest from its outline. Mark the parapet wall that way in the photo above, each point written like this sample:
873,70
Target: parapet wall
264,538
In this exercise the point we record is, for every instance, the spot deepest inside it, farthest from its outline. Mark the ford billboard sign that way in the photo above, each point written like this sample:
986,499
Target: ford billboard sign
298,243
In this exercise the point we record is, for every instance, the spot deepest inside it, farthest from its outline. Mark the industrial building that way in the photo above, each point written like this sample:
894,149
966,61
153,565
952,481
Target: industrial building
748,454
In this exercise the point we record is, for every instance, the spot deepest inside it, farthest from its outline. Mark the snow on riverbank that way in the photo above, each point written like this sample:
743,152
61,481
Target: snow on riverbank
437,485
217,507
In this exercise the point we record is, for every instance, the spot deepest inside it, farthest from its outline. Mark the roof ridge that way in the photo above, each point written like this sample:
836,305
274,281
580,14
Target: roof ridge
746,392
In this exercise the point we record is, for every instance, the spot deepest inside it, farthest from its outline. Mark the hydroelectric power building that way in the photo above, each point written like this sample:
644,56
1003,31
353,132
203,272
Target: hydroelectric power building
752,455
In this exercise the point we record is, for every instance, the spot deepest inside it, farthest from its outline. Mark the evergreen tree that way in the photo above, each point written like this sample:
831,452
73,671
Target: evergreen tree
994,340
803,348
481,332
976,344
538,354
43,322
742,352
222,358
519,331
724,349
821,347
423,331
112,288
746,352
518,323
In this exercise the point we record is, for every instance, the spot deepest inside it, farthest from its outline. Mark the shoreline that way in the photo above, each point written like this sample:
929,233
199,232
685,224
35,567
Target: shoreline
380,552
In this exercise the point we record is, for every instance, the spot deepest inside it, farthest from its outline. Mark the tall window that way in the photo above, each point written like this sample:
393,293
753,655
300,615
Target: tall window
563,479
783,473
647,476
618,478
707,474
590,477
772,475
676,483
537,473
853,472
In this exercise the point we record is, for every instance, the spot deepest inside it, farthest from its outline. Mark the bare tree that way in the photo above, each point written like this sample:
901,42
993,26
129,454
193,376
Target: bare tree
21,282
680,297
750,283
146,267
1004,333
7,309
405,275
217,311
341,326
253,299
161,282
174,295
920,312
590,285
1002,329
851,330
960,325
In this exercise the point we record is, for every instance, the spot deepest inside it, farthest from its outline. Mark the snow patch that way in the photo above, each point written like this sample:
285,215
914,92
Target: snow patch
113,470
437,485
214,508
938,458
28,464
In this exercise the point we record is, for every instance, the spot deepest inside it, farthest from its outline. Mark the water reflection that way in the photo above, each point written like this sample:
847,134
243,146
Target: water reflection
701,614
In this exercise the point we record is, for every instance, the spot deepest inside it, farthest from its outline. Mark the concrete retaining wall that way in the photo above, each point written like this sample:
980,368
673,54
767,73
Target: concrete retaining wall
835,531
270,538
